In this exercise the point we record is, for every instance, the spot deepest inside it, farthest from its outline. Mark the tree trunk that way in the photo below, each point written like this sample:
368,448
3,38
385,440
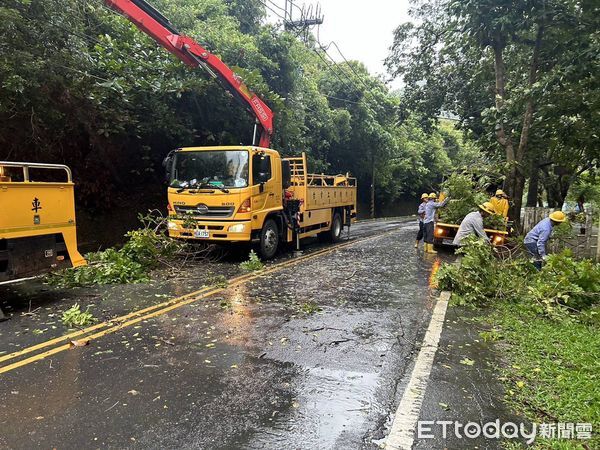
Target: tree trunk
557,188
503,139
515,179
515,182
554,196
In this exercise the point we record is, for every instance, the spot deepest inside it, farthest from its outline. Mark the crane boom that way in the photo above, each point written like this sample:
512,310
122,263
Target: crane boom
158,27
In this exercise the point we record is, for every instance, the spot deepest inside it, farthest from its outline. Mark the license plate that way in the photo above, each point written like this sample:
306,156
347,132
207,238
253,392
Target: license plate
447,241
201,234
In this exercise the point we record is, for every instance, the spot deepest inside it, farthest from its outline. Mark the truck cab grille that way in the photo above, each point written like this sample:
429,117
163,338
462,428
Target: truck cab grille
205,211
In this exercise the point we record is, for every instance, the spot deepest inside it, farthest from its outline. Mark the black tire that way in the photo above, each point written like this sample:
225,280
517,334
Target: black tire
335,233
269,240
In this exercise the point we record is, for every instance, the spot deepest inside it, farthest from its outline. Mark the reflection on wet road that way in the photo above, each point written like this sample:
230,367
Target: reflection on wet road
307,355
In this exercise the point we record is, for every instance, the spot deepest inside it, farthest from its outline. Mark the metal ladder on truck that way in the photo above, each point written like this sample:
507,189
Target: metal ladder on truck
298,170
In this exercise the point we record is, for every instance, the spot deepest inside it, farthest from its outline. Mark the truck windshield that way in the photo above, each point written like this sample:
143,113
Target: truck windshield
218,168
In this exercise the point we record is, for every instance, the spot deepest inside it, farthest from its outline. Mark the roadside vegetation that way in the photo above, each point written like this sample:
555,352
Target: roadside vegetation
146,249
253,263
547,328
467,190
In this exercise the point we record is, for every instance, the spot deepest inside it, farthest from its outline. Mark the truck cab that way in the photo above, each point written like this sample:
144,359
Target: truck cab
222,193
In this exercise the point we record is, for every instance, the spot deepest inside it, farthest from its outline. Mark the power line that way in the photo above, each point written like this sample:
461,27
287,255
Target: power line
277,6
328,64
349,65
340,99
325,48
330,67
338,65
272,10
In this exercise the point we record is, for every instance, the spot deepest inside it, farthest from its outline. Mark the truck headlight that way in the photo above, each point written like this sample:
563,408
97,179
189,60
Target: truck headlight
237,228
439,231
172,225
498,240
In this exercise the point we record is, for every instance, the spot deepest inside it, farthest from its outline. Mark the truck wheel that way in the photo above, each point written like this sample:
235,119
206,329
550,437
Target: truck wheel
269,239
335,233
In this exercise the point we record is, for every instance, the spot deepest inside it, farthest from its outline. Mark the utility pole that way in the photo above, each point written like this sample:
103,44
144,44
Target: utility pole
309,17
372,186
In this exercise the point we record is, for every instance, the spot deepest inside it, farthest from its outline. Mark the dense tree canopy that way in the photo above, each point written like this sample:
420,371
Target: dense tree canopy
82,86
522,77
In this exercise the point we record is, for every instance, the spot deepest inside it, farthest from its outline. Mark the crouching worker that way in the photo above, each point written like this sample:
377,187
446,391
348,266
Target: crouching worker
536,239
421,215
472,224
429,220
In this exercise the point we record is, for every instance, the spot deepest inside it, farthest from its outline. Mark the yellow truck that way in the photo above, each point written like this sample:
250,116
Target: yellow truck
37,220
250,194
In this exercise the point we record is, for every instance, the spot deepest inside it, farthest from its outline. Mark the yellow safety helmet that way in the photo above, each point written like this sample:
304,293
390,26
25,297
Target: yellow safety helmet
425,195
433,195
558,216
500,192
487,207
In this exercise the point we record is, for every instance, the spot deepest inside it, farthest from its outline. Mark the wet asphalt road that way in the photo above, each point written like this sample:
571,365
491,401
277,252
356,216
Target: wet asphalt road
307,356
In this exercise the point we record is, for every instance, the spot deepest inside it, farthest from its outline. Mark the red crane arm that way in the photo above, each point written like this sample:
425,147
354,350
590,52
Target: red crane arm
158,27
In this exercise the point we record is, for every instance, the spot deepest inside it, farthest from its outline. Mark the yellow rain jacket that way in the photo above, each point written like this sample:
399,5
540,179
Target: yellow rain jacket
500,205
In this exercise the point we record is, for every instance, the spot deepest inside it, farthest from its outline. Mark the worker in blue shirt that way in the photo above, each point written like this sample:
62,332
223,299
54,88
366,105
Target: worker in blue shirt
536,239
421,215
429,220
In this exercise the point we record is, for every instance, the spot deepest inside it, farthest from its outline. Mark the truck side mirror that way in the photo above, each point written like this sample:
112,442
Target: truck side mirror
286,174
168,164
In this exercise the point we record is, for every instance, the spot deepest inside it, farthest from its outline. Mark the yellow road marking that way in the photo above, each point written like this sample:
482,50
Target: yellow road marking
158,309
111,322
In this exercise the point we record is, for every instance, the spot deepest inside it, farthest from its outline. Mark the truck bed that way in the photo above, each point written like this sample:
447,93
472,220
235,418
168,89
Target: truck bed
39,233
320,191
320,195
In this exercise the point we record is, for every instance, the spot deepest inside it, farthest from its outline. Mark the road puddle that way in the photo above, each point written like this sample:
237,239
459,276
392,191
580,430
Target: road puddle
327,404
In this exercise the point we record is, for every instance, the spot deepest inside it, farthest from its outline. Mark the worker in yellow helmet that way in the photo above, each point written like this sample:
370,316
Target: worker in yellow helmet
536,239
429,220
421,215
500,203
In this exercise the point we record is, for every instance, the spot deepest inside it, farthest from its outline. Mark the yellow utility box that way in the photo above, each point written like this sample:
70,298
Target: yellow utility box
37,220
